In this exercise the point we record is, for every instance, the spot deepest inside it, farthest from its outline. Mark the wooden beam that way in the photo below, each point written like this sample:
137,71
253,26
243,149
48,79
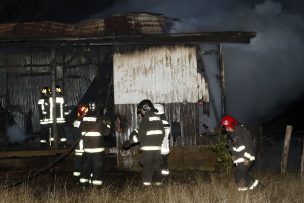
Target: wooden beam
30,153
42,65
21,75
284,159
54,113
222,79
153,39
7,96
24,66
42,153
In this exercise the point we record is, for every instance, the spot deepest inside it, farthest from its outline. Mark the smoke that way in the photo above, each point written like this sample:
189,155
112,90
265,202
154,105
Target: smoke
262,77
15,134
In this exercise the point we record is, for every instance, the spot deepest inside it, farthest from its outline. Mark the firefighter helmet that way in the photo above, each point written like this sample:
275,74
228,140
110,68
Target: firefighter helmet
145,105
58,89
159,108
229,121
82,110
46,91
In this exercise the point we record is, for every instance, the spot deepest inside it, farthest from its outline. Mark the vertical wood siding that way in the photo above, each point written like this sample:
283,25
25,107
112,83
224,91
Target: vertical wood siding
25,81
166,75
162,74
183,113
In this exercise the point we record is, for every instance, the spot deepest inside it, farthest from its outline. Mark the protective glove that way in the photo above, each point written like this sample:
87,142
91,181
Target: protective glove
106,127
233,158
246,162
126,145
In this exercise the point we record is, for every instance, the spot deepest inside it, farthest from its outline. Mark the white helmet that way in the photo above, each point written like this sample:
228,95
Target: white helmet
160,109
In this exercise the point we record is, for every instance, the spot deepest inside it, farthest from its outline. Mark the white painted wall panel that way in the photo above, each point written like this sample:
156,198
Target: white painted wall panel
161,74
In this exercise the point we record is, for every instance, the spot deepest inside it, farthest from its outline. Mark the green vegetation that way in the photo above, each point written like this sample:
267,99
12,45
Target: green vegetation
219,146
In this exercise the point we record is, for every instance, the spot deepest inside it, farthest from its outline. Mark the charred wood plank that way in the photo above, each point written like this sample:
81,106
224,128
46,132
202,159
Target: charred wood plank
30,153
181,38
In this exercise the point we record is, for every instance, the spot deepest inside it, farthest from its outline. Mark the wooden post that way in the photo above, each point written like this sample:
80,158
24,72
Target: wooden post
302,159
205,75
53,70
222,79
284,159
7,89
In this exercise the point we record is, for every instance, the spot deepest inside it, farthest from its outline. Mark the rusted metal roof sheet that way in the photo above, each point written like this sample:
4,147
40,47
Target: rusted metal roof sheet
130,28
137,23
35,29
166,74
121,24
90,27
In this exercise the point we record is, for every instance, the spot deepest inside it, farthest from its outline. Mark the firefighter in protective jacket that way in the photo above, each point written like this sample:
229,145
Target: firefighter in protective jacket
93,129
44,114
150,136
242,149
82,110
165,144
45,104
61,113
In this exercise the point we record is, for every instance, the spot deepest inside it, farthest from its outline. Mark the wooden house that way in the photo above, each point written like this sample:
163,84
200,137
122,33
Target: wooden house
119,61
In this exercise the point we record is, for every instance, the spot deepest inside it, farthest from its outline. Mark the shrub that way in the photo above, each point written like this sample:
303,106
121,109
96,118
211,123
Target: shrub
219,146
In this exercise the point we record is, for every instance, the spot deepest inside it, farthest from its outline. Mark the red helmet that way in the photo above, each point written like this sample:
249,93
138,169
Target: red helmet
229,121
82,110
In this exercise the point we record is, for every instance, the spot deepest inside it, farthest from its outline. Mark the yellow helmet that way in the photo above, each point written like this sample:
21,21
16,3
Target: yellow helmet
45,90
58,89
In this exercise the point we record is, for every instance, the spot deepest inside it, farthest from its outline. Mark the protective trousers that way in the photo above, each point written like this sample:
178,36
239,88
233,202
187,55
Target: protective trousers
165,152
45,133
242,175
151,161
164,165
77,164
92,168
46,137
61,134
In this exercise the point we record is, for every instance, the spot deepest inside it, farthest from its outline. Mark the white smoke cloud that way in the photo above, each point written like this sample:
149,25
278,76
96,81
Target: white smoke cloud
268,8
262,77
266,75
15,134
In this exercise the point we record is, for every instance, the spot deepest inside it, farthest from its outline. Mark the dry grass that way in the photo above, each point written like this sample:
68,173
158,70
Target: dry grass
219,188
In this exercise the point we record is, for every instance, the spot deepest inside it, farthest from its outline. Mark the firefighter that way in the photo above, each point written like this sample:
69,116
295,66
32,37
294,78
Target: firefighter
150,136
44,114
61,113
82,110
165,144
242,149
93,129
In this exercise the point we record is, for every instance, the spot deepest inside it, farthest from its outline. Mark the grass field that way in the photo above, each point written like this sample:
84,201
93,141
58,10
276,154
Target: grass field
187,187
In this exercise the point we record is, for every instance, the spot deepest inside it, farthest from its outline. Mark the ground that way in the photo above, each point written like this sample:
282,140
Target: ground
124,186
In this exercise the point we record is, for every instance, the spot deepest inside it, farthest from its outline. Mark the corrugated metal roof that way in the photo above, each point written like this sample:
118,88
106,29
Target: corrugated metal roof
130,28
121,24
35,29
